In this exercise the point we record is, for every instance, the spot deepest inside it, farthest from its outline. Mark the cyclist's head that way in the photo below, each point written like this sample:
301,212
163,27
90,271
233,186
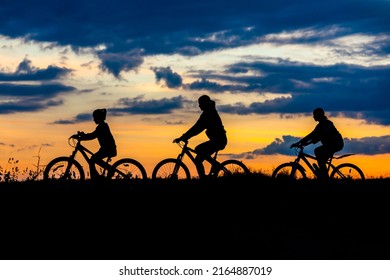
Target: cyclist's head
319,114
99,115
205,102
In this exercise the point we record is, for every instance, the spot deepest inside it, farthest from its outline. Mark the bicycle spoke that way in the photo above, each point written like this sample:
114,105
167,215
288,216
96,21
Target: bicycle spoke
127,169
171,169
63,168
231,167
347,171
287,171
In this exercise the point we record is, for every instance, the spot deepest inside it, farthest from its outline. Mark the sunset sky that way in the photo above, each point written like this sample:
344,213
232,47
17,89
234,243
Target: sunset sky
267,64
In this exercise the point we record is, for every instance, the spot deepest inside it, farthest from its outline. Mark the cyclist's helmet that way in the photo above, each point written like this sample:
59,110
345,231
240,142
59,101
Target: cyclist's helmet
100,114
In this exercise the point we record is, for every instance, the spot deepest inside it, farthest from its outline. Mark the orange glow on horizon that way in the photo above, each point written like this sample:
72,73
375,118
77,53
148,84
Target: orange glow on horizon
150,141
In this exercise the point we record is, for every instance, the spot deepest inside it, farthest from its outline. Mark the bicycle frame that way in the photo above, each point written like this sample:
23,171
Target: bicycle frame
188,151
304,156
84,152
176,168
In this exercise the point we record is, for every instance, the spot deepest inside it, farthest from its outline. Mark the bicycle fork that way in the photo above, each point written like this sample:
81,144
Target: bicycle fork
177,165
294,168
67,170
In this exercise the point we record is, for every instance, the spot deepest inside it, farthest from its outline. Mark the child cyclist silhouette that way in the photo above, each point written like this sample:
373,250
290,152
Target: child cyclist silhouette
105,138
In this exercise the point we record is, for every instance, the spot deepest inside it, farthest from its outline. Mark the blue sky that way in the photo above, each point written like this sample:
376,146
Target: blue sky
153,58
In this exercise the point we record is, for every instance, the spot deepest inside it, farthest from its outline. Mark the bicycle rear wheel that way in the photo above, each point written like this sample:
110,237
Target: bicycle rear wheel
57,170
347,171
284,172
232,167
127,169
165,169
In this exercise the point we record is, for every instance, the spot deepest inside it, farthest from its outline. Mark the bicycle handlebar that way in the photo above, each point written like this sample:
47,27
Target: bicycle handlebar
181,143
296,146
75,137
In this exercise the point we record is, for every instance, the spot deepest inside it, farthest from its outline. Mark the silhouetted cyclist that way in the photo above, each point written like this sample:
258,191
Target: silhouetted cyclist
105,138
331,140
211,121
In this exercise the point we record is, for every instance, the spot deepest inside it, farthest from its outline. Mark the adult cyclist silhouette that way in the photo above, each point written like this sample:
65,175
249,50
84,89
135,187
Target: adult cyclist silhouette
330,137
210,121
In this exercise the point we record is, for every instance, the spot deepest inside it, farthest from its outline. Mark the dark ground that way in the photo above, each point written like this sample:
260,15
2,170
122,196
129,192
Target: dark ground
240,218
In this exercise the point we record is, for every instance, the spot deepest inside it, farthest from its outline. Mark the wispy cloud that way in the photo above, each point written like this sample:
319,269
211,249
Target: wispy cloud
27,72
44,92
136,106
365,146
77,119
139,106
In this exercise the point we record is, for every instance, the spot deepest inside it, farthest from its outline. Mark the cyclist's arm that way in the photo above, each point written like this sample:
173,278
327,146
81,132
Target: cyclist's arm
197,128
311,138
88,136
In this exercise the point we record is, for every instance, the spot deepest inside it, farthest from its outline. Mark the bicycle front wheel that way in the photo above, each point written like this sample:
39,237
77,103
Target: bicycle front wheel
347,171
232,167
286,171
63,168
171,168
127,169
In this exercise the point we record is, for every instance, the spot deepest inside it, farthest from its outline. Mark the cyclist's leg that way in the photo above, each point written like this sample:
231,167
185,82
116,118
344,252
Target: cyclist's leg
323,153
219,145
97,158
203,150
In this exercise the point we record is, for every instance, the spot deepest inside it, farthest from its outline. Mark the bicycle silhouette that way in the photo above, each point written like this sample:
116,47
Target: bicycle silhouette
67,168
294,170
175,168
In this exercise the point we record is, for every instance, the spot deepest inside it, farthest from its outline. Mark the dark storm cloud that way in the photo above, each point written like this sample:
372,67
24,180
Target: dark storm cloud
185,27
278,146
341,89
41,91
171,79
26,72
28,104
286,76
138,106
368,145
115,63
30,98
365,146
16,96
174,80
349,90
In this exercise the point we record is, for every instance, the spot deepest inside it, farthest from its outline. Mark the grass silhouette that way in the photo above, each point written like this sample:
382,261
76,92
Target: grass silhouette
243,217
